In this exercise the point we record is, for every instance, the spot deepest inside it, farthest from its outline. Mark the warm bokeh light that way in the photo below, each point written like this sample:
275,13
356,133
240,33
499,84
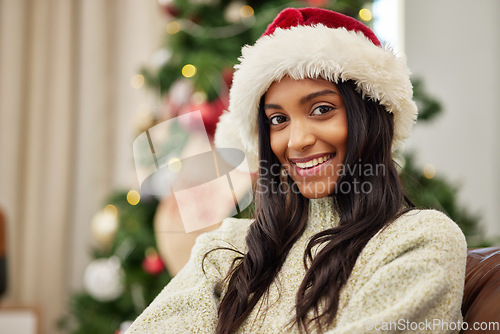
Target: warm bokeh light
246,11
429,171
199,97
111,209
173,27
175,165
133,197
137,81
365,14
188,70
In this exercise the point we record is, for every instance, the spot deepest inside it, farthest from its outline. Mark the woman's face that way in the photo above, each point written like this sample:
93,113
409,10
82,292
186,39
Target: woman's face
308,129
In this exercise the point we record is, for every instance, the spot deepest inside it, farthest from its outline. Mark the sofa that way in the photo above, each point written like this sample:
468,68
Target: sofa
481,301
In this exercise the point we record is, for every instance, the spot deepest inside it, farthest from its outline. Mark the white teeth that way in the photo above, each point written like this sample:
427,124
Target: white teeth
314,162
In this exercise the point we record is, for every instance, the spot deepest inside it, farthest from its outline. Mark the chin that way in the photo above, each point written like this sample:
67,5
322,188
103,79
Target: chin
315,196
316,190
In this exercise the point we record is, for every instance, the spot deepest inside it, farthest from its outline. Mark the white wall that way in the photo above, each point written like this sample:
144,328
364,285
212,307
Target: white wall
454,45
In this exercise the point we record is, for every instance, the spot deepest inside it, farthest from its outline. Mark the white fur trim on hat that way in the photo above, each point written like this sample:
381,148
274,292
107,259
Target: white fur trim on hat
312,52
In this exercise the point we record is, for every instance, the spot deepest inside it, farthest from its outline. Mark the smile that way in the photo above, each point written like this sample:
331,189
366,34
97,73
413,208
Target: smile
318,165
314,162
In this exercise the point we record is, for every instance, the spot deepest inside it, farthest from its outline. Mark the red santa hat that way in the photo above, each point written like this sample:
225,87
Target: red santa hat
314,43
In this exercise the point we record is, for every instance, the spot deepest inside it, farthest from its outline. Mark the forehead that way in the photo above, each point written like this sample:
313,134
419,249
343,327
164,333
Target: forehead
288,86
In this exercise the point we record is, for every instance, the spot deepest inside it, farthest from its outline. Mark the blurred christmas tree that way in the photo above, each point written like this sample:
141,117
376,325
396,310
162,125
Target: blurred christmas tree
208,35
126,273
193,71
203,41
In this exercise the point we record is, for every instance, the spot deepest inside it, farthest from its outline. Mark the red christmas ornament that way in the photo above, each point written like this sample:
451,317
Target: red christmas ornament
192,122
152,263
210,113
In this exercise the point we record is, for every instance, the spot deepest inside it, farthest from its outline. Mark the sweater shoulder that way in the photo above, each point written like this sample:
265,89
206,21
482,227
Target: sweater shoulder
427,223
221,246
420,229
232,232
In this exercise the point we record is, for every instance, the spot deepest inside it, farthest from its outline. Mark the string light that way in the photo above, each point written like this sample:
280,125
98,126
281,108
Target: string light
246,11
429,171
188,70
365,14
137,81
133,197
173,27
175,165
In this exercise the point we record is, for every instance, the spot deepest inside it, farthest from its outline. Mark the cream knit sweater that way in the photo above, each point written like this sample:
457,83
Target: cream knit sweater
408,278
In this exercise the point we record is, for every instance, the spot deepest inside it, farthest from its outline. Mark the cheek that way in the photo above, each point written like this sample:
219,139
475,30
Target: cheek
338,137
334,133
343,140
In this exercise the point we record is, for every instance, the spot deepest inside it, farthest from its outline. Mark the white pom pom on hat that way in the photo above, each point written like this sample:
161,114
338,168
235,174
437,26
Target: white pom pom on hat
313,43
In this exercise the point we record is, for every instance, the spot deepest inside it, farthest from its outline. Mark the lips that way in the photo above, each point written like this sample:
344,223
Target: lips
312,165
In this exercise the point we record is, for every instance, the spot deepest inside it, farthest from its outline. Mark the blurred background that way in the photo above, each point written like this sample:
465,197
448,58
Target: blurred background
80,80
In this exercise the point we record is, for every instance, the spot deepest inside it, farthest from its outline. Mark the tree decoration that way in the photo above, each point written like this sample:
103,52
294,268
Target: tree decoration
116,287
210,112
104,225
152,263
232,12
103,279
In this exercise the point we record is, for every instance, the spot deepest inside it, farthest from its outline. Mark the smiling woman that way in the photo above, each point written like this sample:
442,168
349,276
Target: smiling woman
334,245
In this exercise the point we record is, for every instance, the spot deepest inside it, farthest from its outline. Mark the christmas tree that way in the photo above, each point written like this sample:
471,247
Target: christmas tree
192,71
126,272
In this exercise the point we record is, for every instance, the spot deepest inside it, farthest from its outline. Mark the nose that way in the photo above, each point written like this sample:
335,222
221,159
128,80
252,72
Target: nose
300,136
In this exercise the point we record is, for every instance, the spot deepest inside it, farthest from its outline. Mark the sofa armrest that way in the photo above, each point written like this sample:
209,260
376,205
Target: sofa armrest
481,301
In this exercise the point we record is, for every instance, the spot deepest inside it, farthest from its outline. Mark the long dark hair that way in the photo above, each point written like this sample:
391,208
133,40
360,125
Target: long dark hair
281,218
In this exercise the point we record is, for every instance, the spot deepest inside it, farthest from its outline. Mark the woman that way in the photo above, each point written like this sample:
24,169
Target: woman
335,247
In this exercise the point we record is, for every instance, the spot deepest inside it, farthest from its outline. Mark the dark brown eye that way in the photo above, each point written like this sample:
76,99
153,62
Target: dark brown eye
277,120
323,109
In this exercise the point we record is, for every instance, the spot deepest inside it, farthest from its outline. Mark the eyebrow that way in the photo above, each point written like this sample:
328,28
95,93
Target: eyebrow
311,96
303,100
272,106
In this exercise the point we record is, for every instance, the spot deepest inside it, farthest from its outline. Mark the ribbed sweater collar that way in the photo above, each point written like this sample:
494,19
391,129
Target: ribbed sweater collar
322,214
